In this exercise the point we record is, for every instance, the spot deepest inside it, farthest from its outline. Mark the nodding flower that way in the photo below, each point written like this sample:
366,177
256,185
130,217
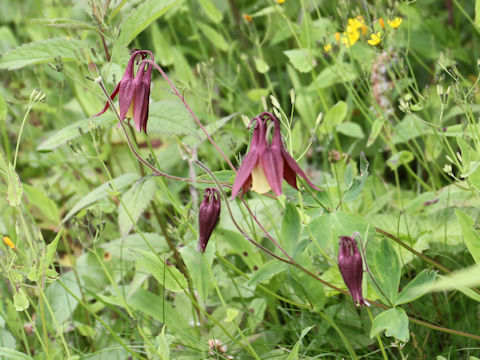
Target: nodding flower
267,164
134,91
208,216
351,268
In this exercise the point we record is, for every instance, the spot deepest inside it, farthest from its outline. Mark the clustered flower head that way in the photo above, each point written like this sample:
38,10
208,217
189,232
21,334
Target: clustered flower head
267,164
351,268
134,91
208,216
356,27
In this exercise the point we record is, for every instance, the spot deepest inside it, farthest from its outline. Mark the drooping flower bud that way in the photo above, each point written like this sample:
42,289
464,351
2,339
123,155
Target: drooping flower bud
351,268
208,215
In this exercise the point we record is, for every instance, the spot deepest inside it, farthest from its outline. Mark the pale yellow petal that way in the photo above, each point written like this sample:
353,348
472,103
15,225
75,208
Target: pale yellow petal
259,181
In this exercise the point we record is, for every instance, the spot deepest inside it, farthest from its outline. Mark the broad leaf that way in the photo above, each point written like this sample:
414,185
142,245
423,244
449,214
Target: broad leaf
143,15
267,271
214,37
211,10
73,131
134,202
101,192
167,275
417,287
300,59
387,268
291,230
470,235
395,323
47,206
40,52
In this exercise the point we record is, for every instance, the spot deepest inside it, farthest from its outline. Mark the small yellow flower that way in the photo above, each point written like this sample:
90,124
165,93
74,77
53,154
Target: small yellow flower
247,18
8,242
375,38
350,38
337,36
327,48
382,23
395,23
280,1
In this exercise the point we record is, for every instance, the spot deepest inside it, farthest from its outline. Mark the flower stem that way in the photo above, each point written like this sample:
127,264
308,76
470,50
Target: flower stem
197,120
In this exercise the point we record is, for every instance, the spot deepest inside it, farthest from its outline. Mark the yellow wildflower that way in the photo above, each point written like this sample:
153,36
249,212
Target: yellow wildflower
280,1
350,38
8,242
375,38
382,23
337,36
247,17
327,48
395,23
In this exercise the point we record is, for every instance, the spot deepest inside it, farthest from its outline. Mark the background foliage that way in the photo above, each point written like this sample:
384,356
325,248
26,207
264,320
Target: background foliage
99,258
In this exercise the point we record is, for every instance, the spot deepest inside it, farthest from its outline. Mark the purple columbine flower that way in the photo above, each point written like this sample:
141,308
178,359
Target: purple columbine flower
351,268
134,91
208,215
266,165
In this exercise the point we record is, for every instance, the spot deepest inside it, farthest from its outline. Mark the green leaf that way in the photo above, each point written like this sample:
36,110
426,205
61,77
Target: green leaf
214,37
121,247
198,267
135,201
332,75
47,206
101,192
158,308
20,300
142,16
335,115
470,235
387,269
211,10
351,129
417,287
294,353
291,230
267,271
162,345
14,354
358,183
62,303
464,278
394,322
14,186
40,52
63,23
169,276
170,117
400,158
477,12
376,128
300,59
52,249
261,66
72,131
3,108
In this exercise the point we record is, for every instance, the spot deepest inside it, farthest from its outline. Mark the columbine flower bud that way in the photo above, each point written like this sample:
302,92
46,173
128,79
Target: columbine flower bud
208,215
350,265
